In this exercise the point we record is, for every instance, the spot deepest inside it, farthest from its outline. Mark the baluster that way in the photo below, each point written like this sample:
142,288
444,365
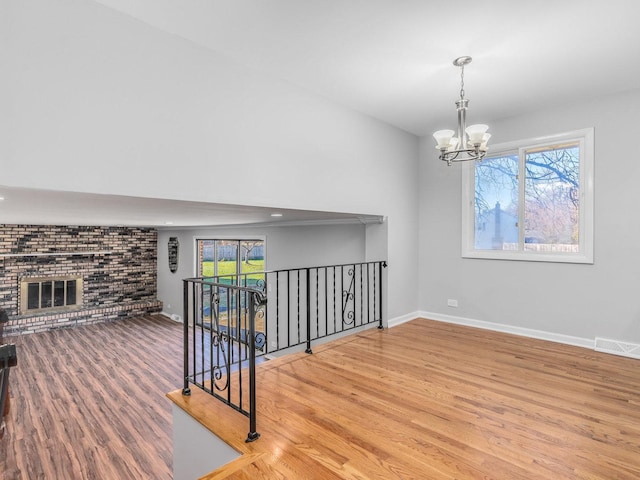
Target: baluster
185,332
308,275
253,434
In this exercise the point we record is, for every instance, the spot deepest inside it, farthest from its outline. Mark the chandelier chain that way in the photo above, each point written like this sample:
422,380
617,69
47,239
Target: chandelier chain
462,82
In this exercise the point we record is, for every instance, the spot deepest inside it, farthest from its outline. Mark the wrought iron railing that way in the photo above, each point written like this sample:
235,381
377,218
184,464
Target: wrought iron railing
308,304
220,343
232,320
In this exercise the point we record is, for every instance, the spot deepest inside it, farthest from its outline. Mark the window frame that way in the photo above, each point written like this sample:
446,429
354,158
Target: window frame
585,139
222,238
198,270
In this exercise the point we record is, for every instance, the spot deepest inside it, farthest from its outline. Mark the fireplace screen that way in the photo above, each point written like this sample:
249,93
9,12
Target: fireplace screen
58,293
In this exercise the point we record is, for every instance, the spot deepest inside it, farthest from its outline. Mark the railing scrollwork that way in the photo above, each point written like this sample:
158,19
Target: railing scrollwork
348,296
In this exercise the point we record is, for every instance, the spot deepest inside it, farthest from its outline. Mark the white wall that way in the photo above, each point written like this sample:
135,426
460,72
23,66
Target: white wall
196,450
582,301
99,102
286,247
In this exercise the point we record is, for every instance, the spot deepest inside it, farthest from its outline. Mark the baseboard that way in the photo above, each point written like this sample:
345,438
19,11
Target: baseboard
394,322
172,316
499,327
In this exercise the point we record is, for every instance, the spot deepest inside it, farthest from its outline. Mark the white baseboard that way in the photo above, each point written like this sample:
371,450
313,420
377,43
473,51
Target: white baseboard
394,322
172,316
497,327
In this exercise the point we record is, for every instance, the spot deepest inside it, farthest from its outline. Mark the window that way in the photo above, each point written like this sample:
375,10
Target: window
50,294
218,257
531,200
231,262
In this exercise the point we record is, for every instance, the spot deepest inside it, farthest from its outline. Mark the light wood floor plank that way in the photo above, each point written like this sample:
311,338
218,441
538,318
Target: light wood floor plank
427,400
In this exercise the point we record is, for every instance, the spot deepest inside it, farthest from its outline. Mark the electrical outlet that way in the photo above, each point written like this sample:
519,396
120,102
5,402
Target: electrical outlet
452,303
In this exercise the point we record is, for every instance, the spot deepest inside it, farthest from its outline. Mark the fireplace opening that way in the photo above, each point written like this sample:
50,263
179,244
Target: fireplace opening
50,294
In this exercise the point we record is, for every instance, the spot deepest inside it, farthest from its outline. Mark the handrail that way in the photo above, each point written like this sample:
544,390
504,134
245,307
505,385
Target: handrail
382,262
208,281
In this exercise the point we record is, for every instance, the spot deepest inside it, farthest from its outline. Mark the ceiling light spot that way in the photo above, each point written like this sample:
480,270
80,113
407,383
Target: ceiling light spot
276,214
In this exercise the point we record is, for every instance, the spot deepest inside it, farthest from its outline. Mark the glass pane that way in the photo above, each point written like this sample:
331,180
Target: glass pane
552,199
206,303
252,260
226,264
207,258
46,289
58,293
33,296
71,292
227,259
496,203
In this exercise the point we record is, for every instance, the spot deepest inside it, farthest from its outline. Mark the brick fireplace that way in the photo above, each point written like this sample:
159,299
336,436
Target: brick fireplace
73,275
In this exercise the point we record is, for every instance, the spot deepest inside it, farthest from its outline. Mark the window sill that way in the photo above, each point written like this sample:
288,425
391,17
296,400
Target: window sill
529,257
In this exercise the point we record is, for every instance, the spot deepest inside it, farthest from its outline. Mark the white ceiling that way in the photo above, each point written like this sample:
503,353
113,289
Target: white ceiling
29,206
390,59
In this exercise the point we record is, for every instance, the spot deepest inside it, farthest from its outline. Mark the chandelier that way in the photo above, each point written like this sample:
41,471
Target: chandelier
468,143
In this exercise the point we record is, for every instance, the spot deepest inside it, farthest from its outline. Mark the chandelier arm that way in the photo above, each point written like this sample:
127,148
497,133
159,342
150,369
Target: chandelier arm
462,155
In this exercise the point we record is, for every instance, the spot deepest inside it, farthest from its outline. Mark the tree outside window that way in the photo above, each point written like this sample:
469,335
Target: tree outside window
532,200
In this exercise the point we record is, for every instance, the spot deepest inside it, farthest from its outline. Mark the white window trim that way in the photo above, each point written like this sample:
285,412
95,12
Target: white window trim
586,139
213,236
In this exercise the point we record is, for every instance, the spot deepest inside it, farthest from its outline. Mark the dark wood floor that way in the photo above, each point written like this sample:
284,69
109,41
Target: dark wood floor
89,402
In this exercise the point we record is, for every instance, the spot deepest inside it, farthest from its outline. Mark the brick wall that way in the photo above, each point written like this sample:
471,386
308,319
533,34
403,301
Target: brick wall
117,265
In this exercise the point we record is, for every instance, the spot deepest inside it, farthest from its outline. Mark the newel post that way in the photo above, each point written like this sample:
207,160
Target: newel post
253,301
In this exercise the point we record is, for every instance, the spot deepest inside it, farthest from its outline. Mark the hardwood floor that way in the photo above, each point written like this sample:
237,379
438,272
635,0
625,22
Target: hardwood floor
427,400
89,402
424,400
